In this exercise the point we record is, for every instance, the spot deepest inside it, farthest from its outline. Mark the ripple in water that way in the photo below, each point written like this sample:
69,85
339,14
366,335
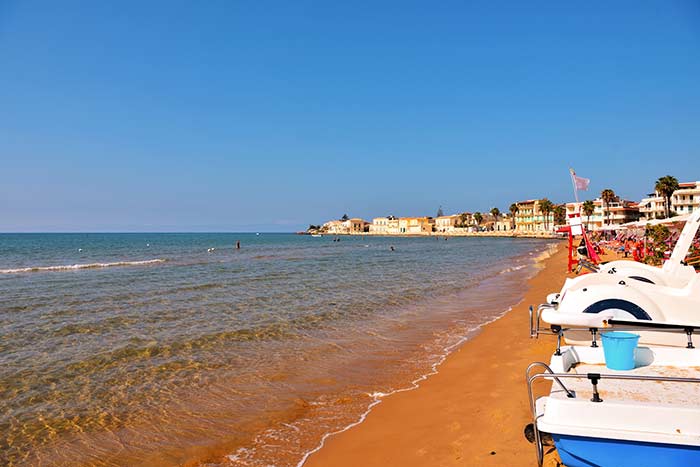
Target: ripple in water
224,356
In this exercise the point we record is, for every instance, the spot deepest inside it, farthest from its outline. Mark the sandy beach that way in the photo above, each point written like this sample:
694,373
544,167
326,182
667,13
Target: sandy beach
472,412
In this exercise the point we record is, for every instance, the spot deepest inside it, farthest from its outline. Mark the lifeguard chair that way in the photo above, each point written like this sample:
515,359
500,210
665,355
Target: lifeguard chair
575,228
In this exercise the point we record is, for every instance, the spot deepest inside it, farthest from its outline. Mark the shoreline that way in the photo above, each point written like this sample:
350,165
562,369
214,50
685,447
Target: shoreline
489,234
537,259
439,419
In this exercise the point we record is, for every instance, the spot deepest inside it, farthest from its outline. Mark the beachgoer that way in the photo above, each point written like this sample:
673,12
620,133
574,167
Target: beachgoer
582,249
238,244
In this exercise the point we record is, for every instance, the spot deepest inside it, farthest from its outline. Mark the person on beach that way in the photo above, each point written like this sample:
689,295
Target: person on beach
238,244
582,249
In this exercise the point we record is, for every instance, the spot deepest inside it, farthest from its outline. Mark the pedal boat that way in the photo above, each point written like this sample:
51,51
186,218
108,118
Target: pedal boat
598,417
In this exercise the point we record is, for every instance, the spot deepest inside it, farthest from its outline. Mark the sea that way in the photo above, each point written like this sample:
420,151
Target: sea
161,349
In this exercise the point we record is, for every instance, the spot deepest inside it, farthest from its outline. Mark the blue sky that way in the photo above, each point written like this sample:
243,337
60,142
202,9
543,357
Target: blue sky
239,116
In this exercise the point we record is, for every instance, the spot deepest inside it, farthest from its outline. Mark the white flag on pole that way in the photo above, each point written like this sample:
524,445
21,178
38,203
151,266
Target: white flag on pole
579,182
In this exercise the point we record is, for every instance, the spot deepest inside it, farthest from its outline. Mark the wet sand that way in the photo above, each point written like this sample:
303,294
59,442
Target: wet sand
472,412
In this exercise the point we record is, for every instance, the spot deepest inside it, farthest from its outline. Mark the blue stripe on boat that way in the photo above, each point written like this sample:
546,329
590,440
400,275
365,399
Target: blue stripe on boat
579,451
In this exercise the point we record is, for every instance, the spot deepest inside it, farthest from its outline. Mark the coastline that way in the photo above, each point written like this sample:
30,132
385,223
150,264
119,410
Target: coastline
470,411
490,233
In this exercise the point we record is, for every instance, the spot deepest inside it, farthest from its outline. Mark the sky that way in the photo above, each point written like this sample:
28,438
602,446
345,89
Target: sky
269,116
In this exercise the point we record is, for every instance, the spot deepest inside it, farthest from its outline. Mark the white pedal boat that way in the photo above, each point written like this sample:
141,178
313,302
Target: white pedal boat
674,272
670,294
648,416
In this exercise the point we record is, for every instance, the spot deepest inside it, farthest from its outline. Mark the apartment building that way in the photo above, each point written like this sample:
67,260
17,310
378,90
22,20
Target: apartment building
384,226
618,212
685,200
529,218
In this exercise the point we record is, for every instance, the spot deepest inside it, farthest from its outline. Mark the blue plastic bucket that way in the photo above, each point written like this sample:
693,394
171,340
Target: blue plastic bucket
618,348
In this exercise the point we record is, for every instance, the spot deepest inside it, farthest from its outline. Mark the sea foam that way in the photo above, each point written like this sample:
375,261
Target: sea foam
71,267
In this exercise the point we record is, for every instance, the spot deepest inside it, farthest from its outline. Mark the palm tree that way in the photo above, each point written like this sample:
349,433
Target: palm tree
478,218
608,196
546,206
560,214
588,209
463,219
513,211
495,212
665,186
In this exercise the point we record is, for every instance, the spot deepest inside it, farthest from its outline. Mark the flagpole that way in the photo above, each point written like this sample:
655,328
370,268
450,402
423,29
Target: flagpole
573,182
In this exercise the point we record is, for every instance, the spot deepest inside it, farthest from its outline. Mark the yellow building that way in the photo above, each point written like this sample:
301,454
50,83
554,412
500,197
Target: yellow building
416,225
529,218
356,225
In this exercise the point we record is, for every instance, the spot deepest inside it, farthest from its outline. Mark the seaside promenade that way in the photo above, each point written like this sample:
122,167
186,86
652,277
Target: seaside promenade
472,412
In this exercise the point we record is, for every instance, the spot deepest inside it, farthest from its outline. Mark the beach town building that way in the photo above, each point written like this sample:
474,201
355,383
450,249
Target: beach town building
685,200
446,224
388,225
504,224
621,212
465,220
652,207
530,218
392,227
379,226
334,228
416,225
618,212
350,226
356,225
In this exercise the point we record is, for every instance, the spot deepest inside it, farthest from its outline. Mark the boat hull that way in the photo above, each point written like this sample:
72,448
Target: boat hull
579,451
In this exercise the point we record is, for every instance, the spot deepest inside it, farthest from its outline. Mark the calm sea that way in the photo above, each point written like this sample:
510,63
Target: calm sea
170,349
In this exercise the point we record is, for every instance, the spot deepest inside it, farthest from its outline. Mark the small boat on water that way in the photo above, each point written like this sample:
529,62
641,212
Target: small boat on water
648,415
316,235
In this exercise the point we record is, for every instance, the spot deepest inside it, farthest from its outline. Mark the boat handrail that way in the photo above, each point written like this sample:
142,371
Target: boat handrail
608,325
533,410
594,378
535,330
653,324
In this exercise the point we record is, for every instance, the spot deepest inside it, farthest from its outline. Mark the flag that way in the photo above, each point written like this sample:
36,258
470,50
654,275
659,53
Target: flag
579,182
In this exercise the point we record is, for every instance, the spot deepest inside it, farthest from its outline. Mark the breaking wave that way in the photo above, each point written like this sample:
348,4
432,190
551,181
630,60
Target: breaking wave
71,267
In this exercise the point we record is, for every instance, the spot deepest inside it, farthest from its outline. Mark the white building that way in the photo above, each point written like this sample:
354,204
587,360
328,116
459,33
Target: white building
350,226
445,224
384,226
685,200
620,211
